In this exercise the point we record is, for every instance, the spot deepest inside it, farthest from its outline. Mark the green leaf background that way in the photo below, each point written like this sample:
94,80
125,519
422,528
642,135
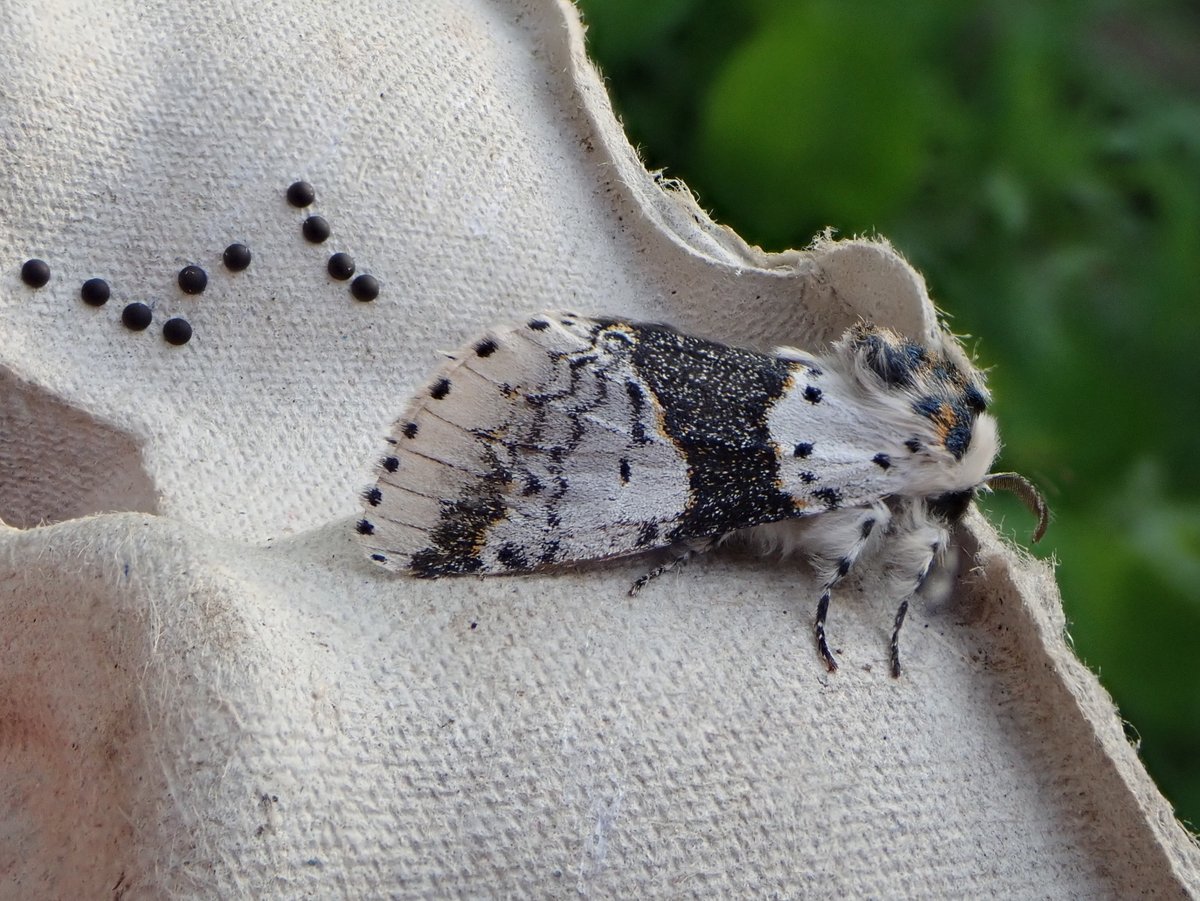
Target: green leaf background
1040,164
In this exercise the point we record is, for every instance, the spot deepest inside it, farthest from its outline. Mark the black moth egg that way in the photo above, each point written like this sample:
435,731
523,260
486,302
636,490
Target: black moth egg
95,292
136,316
192,280
340,266
365,288
177,331
236,257
35,273
316,229
301,194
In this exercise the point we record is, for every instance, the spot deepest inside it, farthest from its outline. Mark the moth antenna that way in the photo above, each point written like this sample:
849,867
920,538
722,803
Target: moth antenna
1027,493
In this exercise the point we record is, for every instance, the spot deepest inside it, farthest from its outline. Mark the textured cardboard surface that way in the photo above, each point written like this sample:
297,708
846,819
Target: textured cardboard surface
217,696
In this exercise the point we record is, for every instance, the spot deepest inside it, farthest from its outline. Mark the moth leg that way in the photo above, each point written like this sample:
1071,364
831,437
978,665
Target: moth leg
900,614
917,552
819,628
845,535
689,550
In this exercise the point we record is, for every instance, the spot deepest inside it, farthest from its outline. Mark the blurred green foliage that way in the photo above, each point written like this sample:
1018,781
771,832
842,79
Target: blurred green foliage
1040,164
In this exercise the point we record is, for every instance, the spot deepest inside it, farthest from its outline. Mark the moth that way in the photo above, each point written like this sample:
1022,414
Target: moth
567,438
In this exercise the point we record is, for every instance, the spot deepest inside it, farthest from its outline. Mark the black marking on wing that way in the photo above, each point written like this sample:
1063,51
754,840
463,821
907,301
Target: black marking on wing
512,557
637,403
715,401
463,526
647,535
549,552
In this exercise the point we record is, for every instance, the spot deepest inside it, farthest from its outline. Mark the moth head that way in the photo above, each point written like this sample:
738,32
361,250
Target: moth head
951,506
936,384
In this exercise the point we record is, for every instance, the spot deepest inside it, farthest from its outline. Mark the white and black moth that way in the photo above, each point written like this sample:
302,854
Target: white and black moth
567,439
